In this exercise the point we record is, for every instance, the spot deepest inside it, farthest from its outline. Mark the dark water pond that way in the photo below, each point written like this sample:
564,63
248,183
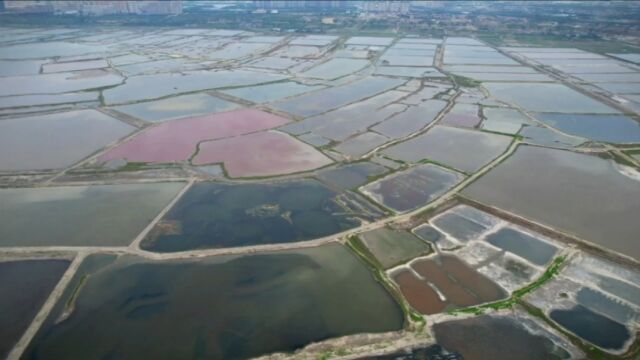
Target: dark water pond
215,215
593,327
24,285
218,307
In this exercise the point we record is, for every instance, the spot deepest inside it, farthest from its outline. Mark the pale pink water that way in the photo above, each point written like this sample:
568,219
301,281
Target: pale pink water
177,140
261,154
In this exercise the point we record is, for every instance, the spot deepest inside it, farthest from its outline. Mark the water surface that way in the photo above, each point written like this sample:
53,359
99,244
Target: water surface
216,215
25,286
95,215
568,191
218,307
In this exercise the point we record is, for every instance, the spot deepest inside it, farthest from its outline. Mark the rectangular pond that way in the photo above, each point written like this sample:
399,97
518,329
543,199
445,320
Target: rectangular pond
607,128
56,140
176,107
350,176
412,188
411,120
393,247
453,284
466,150
568,191
95,215
335,68
271,92
543,97
332,98
524,245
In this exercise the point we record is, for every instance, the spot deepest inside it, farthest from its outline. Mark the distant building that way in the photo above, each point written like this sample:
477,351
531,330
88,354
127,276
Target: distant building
302,4
96,7
34,6
394,7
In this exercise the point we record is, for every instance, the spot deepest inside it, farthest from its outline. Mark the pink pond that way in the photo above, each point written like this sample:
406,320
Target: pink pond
261,154
177,140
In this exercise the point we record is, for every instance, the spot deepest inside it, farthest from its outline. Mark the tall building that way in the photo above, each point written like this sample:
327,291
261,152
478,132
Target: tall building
96,7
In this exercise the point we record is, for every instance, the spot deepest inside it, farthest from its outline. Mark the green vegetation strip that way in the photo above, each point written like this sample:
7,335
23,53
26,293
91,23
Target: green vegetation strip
464,81
517,295
70,304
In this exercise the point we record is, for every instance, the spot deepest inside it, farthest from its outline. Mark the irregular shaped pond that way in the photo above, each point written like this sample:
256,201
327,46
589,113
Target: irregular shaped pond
218,307
216,215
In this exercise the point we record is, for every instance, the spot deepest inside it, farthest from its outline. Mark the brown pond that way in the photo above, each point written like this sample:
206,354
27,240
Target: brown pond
460,285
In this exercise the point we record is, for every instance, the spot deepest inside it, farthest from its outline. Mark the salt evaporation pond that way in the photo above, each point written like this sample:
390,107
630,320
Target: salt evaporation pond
393,247
264,153
568,192
95,215
274,62
543,97
608,128
539,135
412,188
271,92
143,87
361,144
342,123
460,227
176,140
176,107
20,67
351,176
25,285
447,283
466,150
328,99
217,215
41,50
56,140
524,245
499,337
606,304
411,120
58,82
55,99
335,68
508,121
74,66
231,307
593,327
